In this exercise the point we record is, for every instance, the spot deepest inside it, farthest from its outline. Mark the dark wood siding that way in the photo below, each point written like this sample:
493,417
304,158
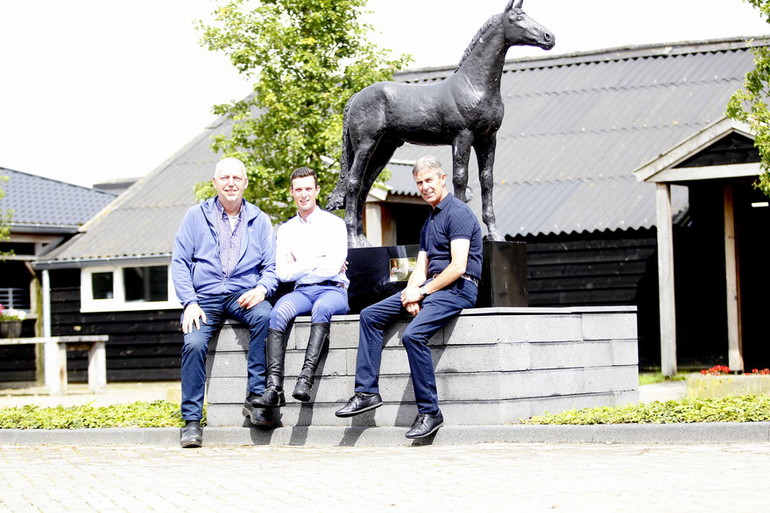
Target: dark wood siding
609,268
590,270
143,345
17,363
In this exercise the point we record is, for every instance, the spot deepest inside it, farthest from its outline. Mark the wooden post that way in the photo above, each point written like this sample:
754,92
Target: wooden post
97,367
373,221
666,279
55,367
734,338
46,304
42,374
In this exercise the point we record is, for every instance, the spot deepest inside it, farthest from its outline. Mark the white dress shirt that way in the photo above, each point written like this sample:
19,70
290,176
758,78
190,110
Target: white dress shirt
318,245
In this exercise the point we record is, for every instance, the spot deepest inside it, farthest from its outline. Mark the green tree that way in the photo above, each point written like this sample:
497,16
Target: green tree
306,57
750,103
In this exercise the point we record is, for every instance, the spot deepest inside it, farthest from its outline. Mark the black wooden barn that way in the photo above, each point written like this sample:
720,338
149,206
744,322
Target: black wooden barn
577,127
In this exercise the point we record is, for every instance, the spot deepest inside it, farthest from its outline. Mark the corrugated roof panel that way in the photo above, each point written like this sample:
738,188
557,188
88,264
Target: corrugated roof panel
566,207
142,232
401,181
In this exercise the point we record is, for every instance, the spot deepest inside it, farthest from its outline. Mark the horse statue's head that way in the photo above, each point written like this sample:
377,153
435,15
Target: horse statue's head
520,29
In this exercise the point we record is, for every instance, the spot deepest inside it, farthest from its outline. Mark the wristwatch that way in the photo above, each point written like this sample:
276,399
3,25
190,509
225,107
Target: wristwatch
424,290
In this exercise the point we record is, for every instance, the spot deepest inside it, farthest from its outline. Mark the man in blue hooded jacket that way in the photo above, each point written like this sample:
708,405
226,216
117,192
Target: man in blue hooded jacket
223,265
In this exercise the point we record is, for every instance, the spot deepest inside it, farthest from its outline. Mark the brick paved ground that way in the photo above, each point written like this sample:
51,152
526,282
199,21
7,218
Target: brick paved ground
486,477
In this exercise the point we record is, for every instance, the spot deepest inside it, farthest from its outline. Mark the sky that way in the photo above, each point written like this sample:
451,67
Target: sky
98,90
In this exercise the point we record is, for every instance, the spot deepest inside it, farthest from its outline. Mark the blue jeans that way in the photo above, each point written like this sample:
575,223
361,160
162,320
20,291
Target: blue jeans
196,344
320,301
436,310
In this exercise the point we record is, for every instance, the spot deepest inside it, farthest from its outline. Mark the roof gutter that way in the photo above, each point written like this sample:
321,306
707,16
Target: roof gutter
78,263
43,228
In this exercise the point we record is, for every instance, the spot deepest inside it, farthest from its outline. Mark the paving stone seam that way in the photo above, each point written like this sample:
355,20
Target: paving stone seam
386,436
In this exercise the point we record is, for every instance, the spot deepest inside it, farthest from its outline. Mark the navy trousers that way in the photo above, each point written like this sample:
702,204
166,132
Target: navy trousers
436,310
196,345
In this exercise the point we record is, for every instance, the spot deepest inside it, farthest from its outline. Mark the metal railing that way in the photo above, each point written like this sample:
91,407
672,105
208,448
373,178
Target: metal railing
14,298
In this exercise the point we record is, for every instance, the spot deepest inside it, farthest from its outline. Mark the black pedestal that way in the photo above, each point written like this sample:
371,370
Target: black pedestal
504,275
376,273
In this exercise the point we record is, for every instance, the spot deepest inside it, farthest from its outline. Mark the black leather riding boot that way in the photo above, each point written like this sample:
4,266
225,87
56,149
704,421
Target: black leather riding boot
275,349
319,336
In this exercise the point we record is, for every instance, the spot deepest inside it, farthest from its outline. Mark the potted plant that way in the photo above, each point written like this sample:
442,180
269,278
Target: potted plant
719,381
10,322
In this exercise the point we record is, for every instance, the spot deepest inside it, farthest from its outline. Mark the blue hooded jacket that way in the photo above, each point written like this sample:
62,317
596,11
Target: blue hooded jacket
196,268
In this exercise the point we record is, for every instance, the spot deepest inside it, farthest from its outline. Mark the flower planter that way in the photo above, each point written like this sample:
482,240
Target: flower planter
10,329
709,387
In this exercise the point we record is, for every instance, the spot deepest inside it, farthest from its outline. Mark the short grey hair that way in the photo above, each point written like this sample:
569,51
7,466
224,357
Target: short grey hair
427,162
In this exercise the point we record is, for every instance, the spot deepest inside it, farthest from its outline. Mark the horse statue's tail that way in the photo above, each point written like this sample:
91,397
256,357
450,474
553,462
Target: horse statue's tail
336,200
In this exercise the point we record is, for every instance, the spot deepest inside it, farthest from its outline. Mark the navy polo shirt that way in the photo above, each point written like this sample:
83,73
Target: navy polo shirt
451,219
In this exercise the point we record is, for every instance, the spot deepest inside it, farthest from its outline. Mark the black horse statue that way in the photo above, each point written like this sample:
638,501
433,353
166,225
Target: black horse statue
465,110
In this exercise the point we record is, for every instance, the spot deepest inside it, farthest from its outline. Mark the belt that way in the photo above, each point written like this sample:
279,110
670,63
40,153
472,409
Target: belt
326,283
468,277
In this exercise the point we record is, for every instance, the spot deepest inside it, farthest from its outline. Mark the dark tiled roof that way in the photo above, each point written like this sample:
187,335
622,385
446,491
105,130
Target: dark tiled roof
44,205
576,127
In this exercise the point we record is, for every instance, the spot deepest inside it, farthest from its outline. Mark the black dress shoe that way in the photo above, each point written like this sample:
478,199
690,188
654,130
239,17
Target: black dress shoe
360,403
425,425
192,434
259,416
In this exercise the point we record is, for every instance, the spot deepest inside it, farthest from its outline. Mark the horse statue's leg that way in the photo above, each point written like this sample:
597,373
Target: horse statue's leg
355,196
485,155
336,199
376,163
461,154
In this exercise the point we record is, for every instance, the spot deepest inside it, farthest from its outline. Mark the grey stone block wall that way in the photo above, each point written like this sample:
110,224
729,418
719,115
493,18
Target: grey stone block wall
493,366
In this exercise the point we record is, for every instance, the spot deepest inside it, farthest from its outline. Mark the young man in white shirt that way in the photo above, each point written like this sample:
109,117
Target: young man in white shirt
311,249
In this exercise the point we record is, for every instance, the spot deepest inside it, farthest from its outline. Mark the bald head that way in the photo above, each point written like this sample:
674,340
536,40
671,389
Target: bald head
230,165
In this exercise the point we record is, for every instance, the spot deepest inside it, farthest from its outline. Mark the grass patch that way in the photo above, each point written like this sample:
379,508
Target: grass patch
140,414
744,408
650,378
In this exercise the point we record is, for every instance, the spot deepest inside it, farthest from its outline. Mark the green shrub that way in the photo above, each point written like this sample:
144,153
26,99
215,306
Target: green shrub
142,414
137,414
745,408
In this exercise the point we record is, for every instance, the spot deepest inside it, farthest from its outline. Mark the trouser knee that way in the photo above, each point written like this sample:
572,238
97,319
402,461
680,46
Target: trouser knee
409,338
195,345
367,317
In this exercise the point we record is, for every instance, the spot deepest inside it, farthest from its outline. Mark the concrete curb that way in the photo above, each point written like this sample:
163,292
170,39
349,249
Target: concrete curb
650,434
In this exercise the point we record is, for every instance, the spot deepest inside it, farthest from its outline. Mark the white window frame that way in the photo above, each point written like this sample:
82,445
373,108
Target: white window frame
118,302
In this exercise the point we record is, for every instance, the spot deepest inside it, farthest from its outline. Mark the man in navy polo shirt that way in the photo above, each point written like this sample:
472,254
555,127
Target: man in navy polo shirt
444,281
